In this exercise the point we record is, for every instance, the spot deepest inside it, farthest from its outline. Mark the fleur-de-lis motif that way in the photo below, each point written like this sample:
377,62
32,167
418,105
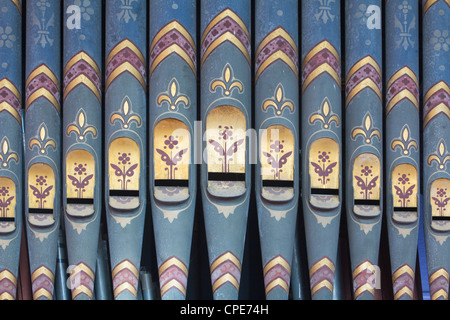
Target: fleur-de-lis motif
126,12
325,11
125,115
367,130
441,156
405,142
325,115
81,128
42,141
405,27
227,82
6,155
278,102
43,34
173,97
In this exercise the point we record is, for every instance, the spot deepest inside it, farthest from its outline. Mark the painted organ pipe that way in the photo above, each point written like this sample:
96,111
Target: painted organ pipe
11,154
125,140
43,142
321,140
277,123
402,147
82,142
173,111
226,182
436,133
364,142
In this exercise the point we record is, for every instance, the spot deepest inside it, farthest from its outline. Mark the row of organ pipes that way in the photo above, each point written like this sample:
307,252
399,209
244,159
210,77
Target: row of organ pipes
99,102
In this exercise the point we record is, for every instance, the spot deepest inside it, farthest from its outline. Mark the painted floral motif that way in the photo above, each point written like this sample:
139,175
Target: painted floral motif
324,167
85,8
172,160
41,190
43,24
225,150
405,26
441,200
440,40
366,181
277,158
80,179
404,189
124,169
325,11
127,11
7,38
5,201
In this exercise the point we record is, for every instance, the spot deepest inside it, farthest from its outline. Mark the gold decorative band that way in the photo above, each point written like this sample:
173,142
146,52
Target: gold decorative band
227,277
427,5
174,48
405,290
279,55
441,85
402,270
4,106
82,289
227,36
42,271
174,25
400,73
5,83
404,94
322,284
277,282
126,264
173,284
122,45
366,83
226,256
363,266
173,262
81,56
323,68
226,13
42,93
45,70
6,274
277,261
319,264
319,47
18,5
123,287
124,67
82,79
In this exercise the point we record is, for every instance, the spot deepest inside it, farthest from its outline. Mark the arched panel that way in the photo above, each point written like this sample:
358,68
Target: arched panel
440,204
366,185
80,183
324,173
404,187
41,195
123,168
7,205
172,154
277,154
226,151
